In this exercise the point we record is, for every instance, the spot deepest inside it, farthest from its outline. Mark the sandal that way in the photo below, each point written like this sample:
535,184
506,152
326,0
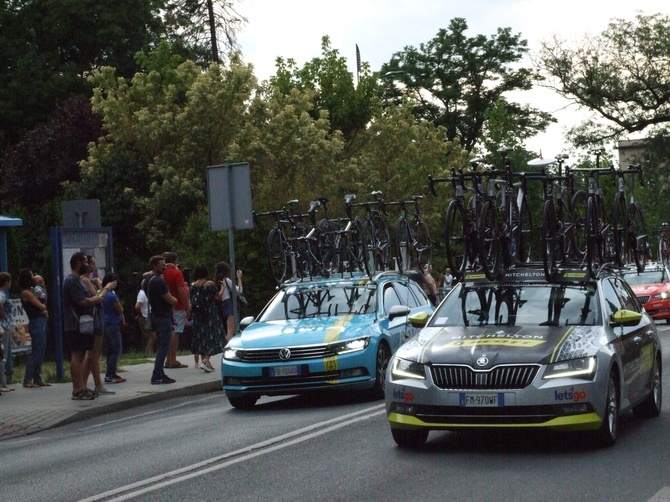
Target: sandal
43,384
30,385
82,395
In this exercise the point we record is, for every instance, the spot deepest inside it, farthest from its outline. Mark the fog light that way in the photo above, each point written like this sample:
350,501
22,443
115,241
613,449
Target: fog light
404,409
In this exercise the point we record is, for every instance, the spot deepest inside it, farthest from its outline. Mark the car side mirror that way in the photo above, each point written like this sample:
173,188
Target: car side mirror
398,311
419,320
625,318
246,322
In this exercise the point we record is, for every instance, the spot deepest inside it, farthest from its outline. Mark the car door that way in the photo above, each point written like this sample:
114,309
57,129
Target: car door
639,342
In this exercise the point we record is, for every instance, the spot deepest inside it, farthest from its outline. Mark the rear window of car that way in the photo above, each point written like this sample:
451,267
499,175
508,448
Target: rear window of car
646,277
519,305
321,301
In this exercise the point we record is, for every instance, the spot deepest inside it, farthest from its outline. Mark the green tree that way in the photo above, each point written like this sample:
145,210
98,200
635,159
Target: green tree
47,49
455,80
350,106
622,76
208,26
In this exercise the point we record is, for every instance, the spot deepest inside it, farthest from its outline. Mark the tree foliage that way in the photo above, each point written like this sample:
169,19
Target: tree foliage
208,26
455,80
47,48
622,75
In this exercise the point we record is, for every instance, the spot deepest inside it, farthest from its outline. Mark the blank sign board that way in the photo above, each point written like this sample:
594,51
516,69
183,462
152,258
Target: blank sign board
229,195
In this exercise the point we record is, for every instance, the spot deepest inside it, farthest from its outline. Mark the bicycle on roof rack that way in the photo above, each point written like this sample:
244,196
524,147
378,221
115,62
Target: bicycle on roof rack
412,240
372,228
599,232
283,252
663,243
631,237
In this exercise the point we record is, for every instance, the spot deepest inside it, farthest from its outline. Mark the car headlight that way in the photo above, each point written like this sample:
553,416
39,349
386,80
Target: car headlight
584,367
350,345
402,368
661,296
231,354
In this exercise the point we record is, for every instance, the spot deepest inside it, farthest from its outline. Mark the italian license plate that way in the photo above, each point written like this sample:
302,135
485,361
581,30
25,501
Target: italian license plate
481,400
284,371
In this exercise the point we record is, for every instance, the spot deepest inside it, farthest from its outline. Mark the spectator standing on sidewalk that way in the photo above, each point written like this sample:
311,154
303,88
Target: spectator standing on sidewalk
6,327
38,315
77,302
113,320
92,360
175,281
225,284
161,303
142,311
208,328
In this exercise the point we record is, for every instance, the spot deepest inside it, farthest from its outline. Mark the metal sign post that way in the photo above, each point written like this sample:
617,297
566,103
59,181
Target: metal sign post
229,196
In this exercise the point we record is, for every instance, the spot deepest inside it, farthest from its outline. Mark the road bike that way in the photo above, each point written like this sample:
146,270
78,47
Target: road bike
412,239
374,234
630,229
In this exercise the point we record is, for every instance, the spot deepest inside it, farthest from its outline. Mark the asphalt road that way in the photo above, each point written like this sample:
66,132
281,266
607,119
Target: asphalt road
326,448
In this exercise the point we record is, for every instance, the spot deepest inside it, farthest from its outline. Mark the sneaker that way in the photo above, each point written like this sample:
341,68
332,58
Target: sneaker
109,379
207,368
164,379
117,379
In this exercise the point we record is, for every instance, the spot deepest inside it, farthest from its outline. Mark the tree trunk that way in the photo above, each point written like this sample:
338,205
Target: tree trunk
212,31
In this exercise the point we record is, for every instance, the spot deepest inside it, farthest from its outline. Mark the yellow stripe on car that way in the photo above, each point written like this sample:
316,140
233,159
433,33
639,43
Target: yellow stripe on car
587,421
333,334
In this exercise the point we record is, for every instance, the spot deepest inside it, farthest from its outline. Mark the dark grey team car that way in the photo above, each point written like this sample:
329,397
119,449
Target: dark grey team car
521,352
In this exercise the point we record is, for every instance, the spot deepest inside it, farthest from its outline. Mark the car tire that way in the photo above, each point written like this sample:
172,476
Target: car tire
410,438
607,434
651,406
242,403
381,364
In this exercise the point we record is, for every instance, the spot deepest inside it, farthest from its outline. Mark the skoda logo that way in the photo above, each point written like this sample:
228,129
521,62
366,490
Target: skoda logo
482,361
284,354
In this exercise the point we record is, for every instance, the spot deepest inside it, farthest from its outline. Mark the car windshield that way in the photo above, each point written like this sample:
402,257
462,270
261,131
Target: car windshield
519,305
646,277
299,302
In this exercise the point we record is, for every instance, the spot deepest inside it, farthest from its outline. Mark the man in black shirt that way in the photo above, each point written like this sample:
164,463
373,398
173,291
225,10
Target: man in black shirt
160,310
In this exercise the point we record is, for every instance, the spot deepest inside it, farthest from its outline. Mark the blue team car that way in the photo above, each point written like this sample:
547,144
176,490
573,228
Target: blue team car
331,333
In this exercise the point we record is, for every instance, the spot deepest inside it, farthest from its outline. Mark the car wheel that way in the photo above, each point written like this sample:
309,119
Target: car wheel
382,362
651,406
410,438
243,403
609,430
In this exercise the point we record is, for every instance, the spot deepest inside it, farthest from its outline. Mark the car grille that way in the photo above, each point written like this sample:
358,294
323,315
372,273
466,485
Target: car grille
643,299
457,377
297,354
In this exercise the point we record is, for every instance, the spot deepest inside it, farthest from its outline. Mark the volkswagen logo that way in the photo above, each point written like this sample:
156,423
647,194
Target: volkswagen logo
481,362
284,354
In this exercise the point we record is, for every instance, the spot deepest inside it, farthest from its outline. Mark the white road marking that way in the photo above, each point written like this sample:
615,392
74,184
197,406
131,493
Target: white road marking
214,464
662,495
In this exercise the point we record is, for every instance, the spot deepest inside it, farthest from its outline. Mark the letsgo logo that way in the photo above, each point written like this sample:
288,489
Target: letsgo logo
402,395
570,395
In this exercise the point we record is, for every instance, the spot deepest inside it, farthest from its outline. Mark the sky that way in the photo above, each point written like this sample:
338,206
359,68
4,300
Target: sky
294,28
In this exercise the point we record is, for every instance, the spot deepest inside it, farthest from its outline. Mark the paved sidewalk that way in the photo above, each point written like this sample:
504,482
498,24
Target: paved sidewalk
26,411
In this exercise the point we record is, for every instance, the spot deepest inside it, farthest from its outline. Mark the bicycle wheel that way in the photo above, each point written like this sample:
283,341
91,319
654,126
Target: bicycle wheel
639,237
513,251
369,248
276,255
403,245
489,235
355,246
620,225
526,233
595,245
565,229
422,244
550,240
383,244
579,220
328,244
456,239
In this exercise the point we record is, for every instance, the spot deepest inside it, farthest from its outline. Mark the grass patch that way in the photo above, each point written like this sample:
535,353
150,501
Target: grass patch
49,367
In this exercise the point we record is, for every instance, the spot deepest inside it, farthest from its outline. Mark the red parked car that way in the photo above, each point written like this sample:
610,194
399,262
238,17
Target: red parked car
652,287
